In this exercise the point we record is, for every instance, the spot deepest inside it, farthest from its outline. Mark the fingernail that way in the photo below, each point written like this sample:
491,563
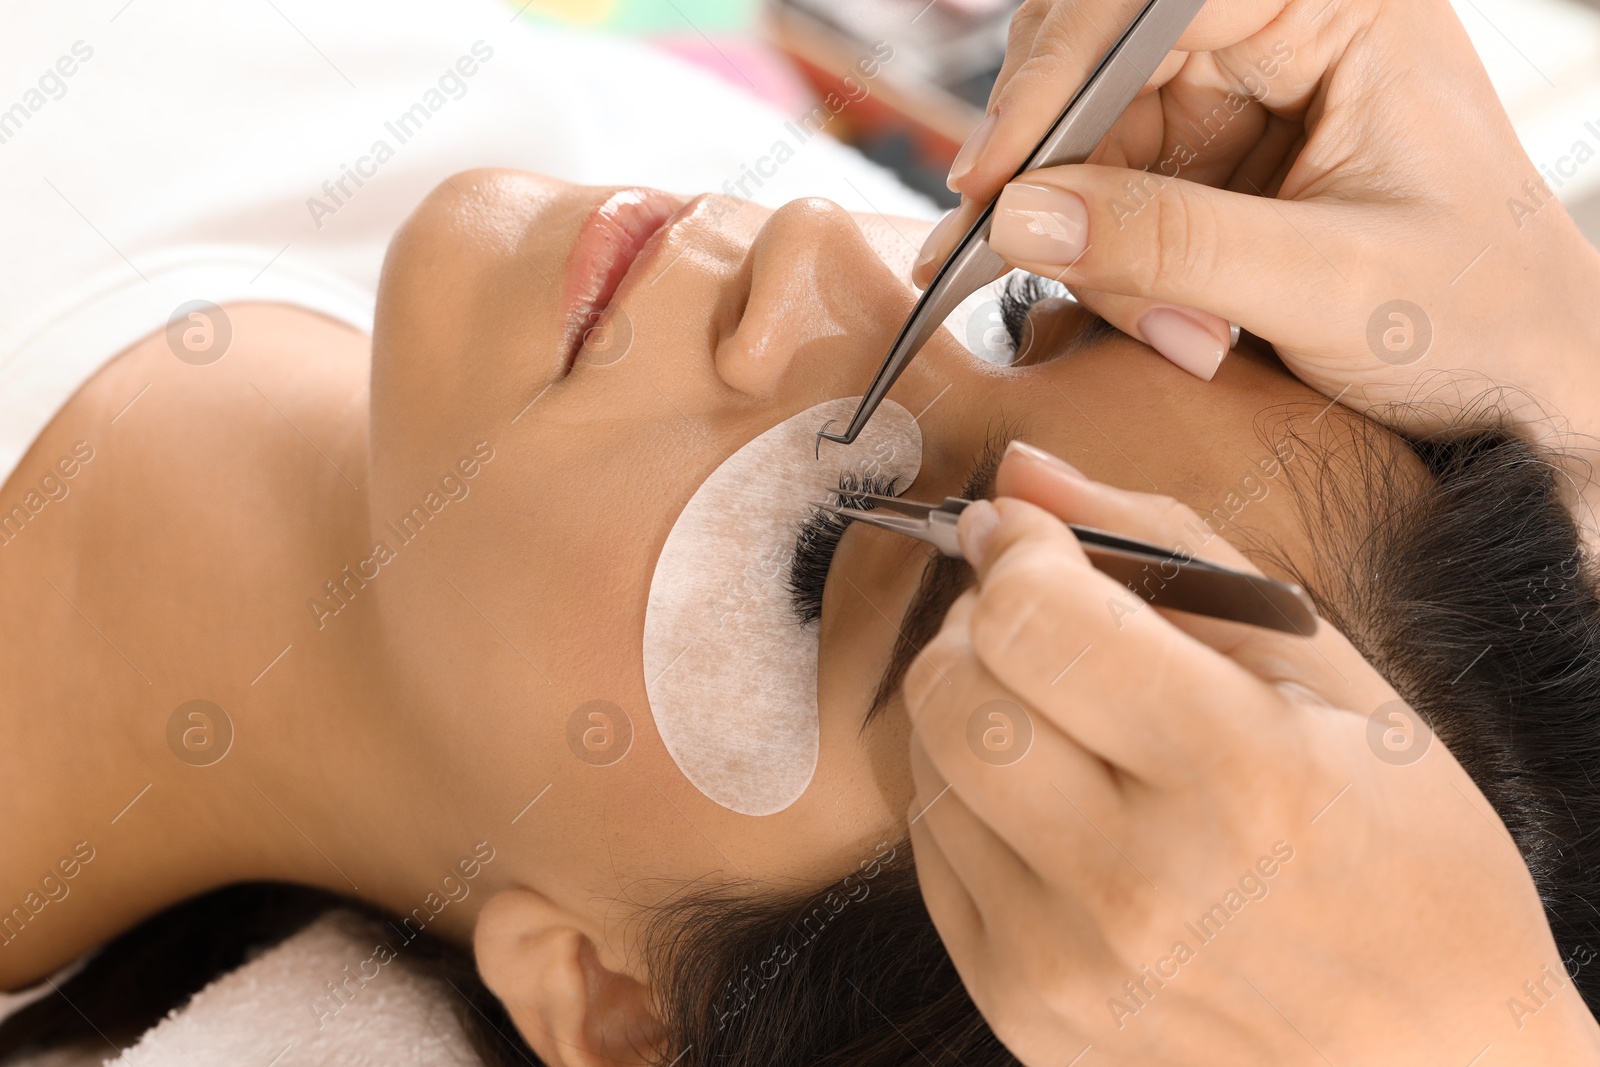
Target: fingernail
1045,459
1233,336
1183,340
975,528
1038,224
931,247
970,151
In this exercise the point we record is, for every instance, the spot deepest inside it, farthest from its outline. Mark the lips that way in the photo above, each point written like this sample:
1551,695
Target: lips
608,243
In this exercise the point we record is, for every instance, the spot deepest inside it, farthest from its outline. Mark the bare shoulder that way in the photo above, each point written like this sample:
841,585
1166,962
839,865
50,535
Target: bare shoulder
161,526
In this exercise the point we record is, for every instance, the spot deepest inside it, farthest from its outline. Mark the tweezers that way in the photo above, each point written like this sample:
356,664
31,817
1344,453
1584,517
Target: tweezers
1165,578
1082,125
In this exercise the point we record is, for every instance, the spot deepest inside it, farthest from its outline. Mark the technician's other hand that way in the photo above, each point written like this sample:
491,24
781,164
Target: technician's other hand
1171,839
1336,176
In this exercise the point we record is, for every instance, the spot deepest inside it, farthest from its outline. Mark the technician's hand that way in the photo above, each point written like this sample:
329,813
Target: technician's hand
1336,176
1202,855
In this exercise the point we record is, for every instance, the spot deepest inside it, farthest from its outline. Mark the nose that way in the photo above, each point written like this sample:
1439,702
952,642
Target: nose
821,311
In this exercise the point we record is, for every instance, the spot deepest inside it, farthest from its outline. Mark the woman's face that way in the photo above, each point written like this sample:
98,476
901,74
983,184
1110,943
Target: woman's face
528,598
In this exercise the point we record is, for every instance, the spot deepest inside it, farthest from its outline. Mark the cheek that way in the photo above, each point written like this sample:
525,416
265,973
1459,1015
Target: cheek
463,318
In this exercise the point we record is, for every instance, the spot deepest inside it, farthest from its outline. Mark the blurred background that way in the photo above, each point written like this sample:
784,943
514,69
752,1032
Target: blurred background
912,114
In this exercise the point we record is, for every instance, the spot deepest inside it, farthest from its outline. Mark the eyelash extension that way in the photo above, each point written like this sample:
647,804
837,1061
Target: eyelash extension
1022,291
819,538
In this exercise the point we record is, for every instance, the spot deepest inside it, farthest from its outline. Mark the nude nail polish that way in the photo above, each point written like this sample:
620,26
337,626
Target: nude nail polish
1039,224
931,249
975,528
967,157
1183,340
1045,459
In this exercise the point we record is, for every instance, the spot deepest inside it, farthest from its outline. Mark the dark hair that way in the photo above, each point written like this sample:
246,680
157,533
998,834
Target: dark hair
1476,599
1465,583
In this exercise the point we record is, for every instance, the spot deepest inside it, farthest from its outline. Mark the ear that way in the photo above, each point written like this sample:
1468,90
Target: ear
572,1009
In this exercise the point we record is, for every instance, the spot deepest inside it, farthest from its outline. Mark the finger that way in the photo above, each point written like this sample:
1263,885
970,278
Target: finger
998,934
1032,474
1017,855
954,914
987,962
999,759
942,238
1064,44
1153,134
1051,49
1069,642
989,869
1195,340
931,790
1133,142
1187,246
1326,664
1262,169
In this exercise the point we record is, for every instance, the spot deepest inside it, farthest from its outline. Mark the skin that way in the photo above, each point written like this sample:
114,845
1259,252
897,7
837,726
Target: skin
378,750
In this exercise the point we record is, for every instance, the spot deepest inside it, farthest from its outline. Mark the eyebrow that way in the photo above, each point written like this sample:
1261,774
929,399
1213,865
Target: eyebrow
944,578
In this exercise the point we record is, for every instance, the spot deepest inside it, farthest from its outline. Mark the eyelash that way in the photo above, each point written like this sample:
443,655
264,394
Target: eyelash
821,532
1021,292
819,535
819,538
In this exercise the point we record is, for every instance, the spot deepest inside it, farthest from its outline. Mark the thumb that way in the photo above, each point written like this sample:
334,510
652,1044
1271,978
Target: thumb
1150,246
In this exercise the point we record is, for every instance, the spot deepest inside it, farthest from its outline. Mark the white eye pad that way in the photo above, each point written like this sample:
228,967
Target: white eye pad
730,672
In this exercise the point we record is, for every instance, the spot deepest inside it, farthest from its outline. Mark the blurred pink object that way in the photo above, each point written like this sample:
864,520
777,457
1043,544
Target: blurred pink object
976,7
747,65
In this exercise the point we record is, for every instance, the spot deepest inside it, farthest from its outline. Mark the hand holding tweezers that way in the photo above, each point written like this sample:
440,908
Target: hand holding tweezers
1082,125
1162,576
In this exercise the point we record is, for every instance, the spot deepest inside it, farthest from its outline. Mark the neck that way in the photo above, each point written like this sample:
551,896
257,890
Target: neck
179,716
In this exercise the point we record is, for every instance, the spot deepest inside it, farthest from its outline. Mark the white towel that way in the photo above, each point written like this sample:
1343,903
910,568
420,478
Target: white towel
264,1012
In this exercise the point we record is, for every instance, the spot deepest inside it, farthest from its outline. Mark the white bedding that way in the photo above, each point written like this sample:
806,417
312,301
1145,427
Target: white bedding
196,151
273,1012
